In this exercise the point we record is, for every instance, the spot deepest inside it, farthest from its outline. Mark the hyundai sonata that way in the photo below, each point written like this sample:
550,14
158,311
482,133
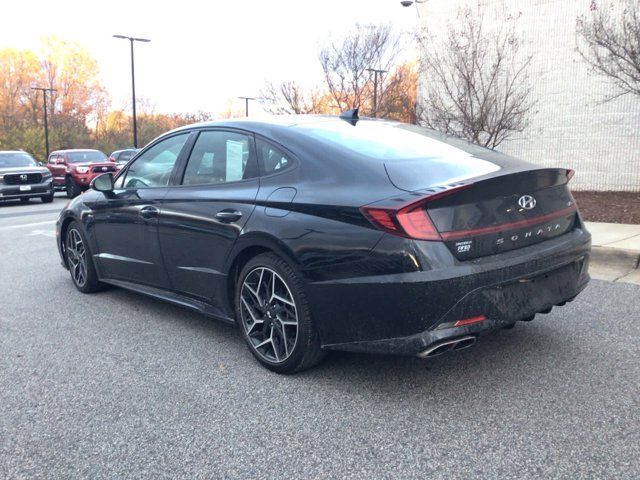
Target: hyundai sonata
316,233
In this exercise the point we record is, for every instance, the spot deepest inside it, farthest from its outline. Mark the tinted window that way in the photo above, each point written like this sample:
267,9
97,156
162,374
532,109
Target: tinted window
86,156
272,158
219,157
414,157
125,156
153,168
16,159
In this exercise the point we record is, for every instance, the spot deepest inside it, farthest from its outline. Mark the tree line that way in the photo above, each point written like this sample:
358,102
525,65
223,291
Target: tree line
79,108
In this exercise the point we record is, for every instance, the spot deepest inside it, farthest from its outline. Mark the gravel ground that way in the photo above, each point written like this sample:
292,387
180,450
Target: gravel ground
610,207
117,385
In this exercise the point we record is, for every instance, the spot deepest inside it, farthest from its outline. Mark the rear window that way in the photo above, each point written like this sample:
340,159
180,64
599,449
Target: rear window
414,157
86,156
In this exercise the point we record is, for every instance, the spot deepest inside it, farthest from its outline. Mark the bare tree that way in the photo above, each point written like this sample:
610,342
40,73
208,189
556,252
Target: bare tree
609,41
476,82
289,97
345,63
348,81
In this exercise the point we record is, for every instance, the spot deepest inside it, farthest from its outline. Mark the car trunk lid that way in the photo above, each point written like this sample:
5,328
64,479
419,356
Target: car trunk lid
484,215
505,212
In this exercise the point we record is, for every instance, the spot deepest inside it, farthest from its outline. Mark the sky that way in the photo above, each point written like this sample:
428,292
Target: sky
202,54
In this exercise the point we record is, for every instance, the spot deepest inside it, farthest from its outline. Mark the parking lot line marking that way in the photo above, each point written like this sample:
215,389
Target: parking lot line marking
23,214
12,227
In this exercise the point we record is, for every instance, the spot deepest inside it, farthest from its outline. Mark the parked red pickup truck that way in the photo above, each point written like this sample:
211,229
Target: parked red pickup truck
73,170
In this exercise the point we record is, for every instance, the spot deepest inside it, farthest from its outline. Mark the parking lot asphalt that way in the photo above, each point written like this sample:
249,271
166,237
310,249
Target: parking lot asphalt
117,385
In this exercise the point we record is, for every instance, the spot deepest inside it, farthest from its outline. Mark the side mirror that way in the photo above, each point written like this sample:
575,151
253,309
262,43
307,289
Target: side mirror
59,161
103,183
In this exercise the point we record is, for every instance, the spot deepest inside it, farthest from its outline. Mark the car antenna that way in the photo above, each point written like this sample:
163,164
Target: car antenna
350,116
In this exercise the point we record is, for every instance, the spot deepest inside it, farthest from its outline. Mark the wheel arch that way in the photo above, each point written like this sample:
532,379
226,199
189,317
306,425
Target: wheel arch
64,225
247,248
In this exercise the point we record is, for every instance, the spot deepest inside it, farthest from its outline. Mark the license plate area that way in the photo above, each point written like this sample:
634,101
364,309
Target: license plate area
25,188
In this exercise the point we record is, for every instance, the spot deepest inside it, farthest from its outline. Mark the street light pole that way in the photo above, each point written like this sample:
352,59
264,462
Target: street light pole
46,125
376,72
246,105
133,84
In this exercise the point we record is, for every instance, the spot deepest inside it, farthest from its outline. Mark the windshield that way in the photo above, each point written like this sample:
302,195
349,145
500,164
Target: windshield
16,159
86,156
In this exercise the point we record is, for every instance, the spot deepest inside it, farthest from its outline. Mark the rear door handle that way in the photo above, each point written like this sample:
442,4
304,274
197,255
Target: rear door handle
149,212
228,215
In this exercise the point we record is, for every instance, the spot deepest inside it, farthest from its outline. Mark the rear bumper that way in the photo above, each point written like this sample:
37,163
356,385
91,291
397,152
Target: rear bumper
9,192
405,313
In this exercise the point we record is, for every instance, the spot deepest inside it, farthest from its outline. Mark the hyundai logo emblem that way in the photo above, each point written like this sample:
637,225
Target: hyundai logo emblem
527,202
104,169
23,178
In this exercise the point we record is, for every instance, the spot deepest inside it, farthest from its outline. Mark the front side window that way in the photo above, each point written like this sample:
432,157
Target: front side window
219,157
272,158
16,159
153,168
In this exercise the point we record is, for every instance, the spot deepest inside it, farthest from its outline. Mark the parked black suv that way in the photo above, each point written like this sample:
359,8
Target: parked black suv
21,177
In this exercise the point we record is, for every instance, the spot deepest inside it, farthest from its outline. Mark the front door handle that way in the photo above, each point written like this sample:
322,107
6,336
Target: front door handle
228,215
149,212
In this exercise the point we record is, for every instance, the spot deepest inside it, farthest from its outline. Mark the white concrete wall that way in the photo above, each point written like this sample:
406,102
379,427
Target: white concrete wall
571,128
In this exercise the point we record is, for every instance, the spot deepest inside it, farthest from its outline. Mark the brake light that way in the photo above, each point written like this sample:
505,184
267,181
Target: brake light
409,220
412,221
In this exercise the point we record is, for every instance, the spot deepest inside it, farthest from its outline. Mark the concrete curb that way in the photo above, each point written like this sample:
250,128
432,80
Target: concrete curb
615,257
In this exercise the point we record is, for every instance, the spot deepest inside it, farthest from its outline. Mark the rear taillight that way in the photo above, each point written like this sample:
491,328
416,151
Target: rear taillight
408,220
412,221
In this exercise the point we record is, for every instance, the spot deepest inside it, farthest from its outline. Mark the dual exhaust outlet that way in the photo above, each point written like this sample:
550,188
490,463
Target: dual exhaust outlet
447,346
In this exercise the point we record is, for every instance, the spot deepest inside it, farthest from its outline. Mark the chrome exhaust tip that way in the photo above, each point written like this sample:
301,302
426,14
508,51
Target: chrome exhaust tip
448,345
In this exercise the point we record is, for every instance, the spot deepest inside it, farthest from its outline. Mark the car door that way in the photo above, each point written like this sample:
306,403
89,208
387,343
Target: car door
57,168
202,217
125,221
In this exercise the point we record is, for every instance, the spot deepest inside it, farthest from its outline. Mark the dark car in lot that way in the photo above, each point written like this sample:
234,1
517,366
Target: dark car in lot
121,157
21,177
317,233
74,169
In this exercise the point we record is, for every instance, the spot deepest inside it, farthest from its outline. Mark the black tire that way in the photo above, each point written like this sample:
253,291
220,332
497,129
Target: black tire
72,188
47,198
25,199
90,282
305,352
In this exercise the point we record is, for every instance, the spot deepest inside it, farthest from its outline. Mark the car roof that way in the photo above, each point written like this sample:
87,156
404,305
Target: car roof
70,150
14,151
266,123
125,150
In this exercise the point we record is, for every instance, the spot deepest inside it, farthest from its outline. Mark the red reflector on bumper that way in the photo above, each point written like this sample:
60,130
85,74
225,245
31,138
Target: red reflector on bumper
470,320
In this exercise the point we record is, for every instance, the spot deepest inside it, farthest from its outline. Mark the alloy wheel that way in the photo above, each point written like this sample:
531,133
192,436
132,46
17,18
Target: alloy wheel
268,314
76,257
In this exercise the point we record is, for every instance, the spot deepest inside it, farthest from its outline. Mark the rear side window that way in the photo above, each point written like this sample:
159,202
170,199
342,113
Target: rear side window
220,157
272,158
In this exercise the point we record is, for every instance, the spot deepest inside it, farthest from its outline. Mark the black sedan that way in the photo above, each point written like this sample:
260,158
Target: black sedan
315,233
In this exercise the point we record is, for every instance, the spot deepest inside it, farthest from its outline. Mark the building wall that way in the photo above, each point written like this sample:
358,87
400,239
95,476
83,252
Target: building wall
572,127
